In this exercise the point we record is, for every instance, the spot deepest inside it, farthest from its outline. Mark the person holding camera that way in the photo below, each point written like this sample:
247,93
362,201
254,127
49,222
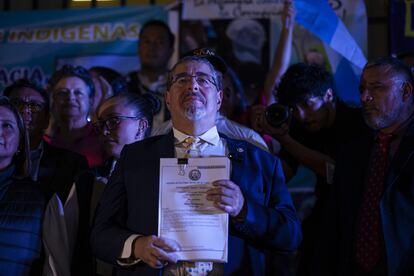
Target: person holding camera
369,228
309,123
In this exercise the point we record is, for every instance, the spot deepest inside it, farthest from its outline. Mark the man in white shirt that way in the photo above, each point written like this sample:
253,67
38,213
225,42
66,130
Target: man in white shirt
262,216
226,127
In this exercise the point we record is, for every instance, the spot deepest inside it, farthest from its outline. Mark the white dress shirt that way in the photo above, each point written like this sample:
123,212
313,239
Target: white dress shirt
227,127
35,157
60,226
210,145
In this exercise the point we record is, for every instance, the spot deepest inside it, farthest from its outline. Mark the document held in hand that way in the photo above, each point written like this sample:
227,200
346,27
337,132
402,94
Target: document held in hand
184,213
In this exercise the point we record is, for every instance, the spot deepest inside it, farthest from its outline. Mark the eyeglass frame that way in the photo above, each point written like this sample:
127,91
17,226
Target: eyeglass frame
102,124
21,104
185,76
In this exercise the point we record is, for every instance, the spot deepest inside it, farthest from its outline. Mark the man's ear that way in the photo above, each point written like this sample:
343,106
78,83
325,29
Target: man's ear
167,98
91,100
407,90
329,96
219,98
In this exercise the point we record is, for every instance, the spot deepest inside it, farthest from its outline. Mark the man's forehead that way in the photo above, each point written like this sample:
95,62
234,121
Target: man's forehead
114,105
151,31
382,73
26,92
193,67
308,98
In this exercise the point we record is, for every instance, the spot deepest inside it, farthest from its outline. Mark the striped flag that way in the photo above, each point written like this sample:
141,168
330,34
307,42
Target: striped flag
345,55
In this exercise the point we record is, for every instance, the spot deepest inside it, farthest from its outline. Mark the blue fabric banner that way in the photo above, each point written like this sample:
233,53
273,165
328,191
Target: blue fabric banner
34,43
318,17
344,41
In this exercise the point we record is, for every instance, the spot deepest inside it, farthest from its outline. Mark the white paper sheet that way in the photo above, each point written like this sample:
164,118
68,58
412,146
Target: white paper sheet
184,213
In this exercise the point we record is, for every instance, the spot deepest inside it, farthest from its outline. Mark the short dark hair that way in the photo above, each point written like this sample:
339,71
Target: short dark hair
68,71
117,82
302,81
25,83
398,67
217,76
159,23
22,158
242,104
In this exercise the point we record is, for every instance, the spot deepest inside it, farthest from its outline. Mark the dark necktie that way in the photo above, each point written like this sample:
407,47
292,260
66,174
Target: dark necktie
369,242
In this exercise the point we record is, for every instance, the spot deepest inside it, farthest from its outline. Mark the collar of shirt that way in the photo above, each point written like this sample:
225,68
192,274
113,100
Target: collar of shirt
398,136
35,156
37,152
211,136
157,86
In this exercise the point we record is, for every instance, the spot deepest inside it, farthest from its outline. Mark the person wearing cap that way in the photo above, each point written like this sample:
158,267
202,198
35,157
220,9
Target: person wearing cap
224,124
155,48
262,216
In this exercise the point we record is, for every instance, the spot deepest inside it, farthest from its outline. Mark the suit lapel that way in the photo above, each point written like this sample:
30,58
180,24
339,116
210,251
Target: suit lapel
358,166
165,146
48,164
237,152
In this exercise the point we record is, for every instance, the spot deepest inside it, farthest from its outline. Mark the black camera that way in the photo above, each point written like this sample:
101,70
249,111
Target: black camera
276,114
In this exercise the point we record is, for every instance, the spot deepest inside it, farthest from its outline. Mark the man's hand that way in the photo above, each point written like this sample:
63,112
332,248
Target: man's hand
260,124
155,251
256,117
227,197
280,133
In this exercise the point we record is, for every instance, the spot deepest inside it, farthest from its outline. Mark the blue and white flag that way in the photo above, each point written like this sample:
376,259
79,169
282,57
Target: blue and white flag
344,53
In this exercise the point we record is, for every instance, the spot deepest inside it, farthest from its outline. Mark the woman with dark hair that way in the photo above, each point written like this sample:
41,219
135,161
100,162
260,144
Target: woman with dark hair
72,92
22,202
122,119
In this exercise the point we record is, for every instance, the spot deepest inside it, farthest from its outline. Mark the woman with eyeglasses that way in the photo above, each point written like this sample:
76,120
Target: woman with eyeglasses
72,92
122,119
22,202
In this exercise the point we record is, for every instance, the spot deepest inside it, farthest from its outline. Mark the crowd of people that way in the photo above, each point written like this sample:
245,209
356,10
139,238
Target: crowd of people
80,161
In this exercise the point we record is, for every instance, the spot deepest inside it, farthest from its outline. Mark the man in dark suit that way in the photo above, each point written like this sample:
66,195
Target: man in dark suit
61,172
370,224
262,216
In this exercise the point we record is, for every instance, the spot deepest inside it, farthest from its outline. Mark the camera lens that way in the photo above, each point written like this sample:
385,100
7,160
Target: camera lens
276,114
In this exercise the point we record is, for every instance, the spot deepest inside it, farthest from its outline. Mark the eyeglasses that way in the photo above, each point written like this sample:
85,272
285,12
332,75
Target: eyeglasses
203,80
63,93
33,106
112,122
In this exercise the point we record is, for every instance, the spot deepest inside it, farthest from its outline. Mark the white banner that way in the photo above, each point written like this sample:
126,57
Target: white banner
228,9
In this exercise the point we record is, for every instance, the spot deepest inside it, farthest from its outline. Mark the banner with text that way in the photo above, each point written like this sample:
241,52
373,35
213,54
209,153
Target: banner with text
34,43
206,9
